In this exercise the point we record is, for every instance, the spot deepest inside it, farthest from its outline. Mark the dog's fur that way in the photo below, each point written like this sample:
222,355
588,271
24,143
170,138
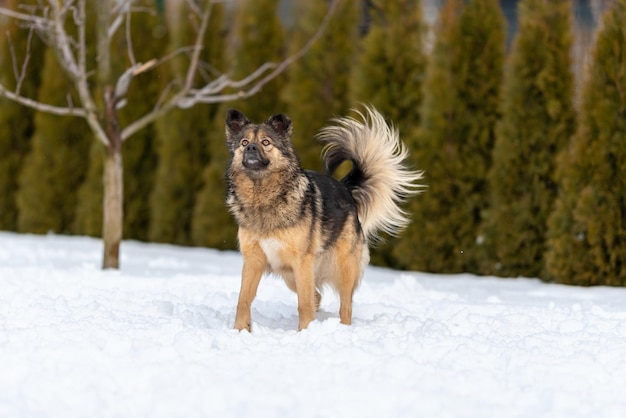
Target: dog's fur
305,226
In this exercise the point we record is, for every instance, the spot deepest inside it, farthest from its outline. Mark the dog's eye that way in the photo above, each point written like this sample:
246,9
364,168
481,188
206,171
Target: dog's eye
265,142
244,142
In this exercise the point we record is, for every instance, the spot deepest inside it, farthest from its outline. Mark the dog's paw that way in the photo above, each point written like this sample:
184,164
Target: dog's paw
243,326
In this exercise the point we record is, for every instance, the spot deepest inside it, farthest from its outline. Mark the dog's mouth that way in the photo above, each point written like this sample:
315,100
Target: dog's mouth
254,161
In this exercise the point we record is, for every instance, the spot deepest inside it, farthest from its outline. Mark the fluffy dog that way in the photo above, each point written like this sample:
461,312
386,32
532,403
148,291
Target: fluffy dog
307,227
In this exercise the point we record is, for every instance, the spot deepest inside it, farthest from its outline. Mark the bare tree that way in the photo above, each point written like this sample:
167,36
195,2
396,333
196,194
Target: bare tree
51,20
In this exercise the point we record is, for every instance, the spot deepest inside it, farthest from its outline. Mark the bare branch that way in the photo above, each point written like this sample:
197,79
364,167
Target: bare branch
118,11
35,21
16,73
188,97
223,81
191,71
22,75
67,6
123,82
194,7
129,41
147,119
61,42
76,70
82,40
208,94
42,107
166,91
173,54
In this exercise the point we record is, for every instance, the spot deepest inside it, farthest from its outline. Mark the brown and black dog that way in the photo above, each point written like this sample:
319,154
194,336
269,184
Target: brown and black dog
307,227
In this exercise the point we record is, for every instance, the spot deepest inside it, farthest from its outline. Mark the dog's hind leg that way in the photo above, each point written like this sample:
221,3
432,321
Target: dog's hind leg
290,281
254,266
347,276
348,283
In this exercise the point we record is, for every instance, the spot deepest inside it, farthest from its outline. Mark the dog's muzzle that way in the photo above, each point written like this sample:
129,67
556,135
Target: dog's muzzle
253,158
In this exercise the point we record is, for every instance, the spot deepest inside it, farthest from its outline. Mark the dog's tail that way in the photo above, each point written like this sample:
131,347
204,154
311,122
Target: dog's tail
379,180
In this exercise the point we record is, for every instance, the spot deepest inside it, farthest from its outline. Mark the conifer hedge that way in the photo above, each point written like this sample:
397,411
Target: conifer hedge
16,121
537,122
318,83
458,117
587,235
388,74
257,37
57,163
149,39
182,134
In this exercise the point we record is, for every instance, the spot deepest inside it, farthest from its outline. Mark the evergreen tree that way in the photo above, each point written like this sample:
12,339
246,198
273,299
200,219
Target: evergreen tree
391,63
213,226
57,163
318,83
537,122
148,36
182,136
257,37
587,229
389,74
88,216
17,121
458,118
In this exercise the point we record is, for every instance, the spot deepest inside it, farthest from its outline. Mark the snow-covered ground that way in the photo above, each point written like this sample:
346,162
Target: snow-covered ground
155,340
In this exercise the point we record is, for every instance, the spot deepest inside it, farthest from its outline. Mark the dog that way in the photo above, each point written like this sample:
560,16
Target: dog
305,226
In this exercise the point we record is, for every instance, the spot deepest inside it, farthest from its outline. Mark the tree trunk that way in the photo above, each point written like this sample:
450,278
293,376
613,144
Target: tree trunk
113,211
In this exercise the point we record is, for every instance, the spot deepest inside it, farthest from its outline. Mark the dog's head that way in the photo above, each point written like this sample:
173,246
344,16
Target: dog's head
259,148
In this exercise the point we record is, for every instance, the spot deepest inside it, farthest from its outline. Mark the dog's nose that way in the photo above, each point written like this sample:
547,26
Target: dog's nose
251,147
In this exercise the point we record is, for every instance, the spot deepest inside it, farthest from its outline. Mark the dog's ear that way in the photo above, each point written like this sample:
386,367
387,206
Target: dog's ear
281,124
235,121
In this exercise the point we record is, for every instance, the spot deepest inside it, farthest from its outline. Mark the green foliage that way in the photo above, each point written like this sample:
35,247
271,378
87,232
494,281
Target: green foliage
213,226
587,235
388,74
17,121
389,70
318,84
88,216
182,134
57,163
148,35
257,38
453,145
537,122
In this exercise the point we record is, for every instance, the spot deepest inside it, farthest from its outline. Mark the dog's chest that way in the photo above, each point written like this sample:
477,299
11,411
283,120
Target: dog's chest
272,249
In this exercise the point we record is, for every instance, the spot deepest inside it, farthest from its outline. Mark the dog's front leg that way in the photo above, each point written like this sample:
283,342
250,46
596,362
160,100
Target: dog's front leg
254,265
305,288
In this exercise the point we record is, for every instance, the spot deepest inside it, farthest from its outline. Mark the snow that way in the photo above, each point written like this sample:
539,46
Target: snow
155,340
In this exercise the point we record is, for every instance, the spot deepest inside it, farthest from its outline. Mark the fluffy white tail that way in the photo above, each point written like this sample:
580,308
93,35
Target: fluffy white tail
379,180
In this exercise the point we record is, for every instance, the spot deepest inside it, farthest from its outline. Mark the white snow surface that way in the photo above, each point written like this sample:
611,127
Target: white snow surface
155,339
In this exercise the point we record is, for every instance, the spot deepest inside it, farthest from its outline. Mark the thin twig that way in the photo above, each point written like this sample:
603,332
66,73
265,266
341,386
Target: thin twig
38,22
129,41
201,96
22,76
42,107
13,57
194,7
60,43
191,71
188,97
